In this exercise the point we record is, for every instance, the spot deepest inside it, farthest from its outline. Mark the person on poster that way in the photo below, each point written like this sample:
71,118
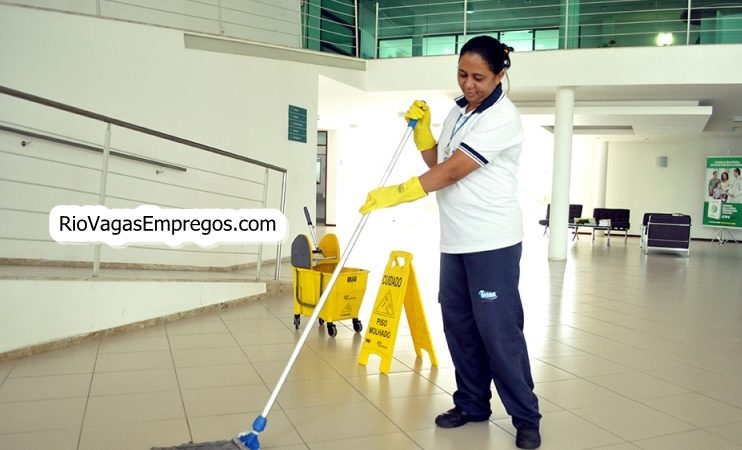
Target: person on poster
726,183
718,193
712,182
734,194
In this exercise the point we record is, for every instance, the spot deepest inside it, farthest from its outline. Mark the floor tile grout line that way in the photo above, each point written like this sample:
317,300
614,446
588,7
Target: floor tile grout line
636,441
642,402
180,390
369,401
659,336
87,398
629,399
262,379
632,369
639,401
293,425
7,375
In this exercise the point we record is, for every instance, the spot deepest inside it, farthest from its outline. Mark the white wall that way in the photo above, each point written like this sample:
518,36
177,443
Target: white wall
332,161
630,66
144,75
634,181
37,311
275,22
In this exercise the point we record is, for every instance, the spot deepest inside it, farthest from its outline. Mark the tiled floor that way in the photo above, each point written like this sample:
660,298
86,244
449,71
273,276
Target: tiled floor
628,351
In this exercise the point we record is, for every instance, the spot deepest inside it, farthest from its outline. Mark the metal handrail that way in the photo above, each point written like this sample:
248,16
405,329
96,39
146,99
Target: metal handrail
120,123
159,134
70,143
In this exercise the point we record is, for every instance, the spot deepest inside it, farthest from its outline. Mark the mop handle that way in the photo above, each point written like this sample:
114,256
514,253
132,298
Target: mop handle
315,243
333,279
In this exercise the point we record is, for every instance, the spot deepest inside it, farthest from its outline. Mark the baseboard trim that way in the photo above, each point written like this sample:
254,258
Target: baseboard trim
28,262
272,289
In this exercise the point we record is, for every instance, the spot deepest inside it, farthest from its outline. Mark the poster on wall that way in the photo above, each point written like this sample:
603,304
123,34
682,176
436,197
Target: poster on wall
722,205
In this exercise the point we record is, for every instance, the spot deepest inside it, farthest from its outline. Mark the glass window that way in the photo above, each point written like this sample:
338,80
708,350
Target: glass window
521,41
439,45
547,39
461,40
395,48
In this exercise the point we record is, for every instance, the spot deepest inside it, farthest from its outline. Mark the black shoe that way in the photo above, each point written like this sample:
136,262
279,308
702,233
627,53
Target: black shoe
528,438
456,417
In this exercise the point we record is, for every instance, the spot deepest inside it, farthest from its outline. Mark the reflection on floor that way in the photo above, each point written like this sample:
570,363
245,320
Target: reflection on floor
628,351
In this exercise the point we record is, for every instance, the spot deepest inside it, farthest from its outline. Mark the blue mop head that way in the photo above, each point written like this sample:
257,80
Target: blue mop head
250,440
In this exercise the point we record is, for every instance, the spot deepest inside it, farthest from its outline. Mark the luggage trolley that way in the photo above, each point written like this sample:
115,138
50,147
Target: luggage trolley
313,267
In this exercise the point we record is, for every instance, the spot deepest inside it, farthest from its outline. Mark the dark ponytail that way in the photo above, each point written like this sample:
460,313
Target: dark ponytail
492,51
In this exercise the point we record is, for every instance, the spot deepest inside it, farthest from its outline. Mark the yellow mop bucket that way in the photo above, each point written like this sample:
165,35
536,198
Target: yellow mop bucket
343,302
313,268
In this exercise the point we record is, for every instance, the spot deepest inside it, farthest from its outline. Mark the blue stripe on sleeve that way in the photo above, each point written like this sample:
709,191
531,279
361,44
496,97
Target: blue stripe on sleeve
473,154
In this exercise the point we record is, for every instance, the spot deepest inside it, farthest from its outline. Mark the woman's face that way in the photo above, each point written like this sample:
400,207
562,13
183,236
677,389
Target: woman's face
724,176
476,79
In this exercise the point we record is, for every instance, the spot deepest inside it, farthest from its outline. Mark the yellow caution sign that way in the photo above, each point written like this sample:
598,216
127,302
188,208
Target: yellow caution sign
398,288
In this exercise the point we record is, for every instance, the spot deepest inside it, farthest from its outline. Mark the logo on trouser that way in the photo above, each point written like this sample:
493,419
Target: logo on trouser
487,295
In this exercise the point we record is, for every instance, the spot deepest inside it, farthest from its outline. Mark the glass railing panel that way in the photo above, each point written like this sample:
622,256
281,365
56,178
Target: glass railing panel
552,24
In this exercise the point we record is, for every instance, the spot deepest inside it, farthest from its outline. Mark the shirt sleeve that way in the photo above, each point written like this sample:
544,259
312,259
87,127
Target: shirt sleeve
491,134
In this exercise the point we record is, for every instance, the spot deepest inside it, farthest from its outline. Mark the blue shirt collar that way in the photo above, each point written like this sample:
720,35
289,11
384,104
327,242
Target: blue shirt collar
489,101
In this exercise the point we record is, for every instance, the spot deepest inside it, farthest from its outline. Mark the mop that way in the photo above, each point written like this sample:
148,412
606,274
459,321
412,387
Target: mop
249,440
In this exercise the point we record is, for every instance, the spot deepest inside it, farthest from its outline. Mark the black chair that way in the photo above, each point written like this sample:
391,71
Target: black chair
574,211
668,232
545,222
645,221
619,219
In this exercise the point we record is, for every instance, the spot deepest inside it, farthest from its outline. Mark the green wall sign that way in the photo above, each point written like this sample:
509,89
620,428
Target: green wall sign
297,124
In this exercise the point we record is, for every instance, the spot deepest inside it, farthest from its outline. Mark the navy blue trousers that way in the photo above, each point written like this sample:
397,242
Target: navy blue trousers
483,323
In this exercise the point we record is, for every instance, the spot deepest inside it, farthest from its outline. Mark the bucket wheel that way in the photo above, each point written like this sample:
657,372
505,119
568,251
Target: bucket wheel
357,325
332,329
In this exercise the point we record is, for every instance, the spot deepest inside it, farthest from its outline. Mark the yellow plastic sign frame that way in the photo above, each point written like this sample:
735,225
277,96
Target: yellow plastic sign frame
398,289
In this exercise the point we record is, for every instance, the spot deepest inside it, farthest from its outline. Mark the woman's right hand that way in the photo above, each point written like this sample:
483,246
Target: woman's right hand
422,135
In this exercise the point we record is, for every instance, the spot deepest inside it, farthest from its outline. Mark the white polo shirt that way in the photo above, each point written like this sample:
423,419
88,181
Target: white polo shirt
480,212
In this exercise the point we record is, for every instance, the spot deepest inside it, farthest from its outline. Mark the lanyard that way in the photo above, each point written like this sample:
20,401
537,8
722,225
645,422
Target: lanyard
457,129
447,150
466,118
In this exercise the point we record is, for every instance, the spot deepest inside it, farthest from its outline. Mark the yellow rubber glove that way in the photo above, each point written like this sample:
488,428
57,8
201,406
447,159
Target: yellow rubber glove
422,135
387,196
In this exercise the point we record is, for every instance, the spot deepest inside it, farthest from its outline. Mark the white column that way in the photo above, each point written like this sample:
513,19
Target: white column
601,172
564,119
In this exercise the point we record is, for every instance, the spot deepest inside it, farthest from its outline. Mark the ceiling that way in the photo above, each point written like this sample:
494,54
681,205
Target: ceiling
641,112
